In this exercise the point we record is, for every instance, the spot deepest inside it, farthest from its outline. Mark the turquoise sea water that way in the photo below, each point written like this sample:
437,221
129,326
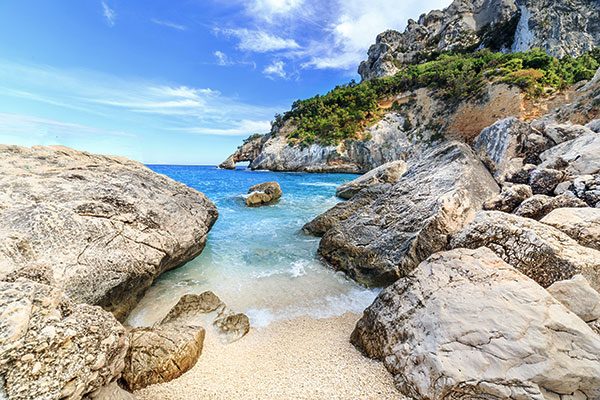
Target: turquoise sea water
257,260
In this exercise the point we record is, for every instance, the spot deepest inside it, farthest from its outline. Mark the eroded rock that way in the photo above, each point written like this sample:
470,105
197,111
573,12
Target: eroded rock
433,199
582,224
465,324
539,251
263,194
387,173
545,180
539,205
578,296
579,156
509,198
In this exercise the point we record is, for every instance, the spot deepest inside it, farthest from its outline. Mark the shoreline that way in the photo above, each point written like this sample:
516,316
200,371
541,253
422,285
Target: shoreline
301,358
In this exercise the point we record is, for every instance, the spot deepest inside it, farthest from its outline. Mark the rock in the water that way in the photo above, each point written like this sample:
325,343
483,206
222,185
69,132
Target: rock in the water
263,194
578,296
433,199
539,205
233,326
190,305
466,325
248,151
387,173
545,180
582,224
500,144
579,156
104,227
539,251
345,209
52,348
161,353
509,198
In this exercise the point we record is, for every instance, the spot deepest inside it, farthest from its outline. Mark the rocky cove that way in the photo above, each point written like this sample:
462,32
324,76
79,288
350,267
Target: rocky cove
463,263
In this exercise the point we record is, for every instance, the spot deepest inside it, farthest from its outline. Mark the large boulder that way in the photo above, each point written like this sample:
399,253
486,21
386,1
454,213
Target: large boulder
263,194
539,205
104,227
387,173
578,296
545,180
584,187
343,210
161,353
434,199
509,198
53,348
539,251
582,224
466,325
579,156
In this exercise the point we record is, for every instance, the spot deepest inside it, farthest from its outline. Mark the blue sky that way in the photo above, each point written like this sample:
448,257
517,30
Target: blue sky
180,82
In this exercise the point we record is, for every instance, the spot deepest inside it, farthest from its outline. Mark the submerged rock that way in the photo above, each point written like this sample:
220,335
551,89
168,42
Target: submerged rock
53,348
345,209
539,251
434,199
582,224
263,194
387,173
103,227
465,324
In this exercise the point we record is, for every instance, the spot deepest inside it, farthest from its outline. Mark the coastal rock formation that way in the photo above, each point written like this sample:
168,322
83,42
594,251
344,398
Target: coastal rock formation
537,250
509,198
103,227
513,340
248,151
263,194
434,199
387,173
579,156
51,347
560,27
161,353
582,224
539,205
343,210
578,296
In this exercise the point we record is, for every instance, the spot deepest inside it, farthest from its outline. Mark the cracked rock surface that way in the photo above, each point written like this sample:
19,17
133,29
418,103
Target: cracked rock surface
466,325
537,250
582,224
102,227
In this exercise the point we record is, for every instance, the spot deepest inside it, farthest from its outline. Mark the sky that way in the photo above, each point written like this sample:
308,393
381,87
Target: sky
175,81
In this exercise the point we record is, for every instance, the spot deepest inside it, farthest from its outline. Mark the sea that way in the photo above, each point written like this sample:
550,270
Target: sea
257,260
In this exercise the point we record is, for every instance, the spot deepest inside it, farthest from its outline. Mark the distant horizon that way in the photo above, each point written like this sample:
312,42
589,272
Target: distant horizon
175,83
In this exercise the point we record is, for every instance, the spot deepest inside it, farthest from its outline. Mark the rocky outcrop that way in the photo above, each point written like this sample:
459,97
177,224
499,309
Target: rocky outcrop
578,296
582,224
539,205
434,199
387,173
102,227
509,198
345,209
465,324
248,151
579,156
584,187
161,353
263,194
54,348
560,27
537,250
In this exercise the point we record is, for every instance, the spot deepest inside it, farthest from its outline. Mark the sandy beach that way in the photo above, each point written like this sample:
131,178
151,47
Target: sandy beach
303,358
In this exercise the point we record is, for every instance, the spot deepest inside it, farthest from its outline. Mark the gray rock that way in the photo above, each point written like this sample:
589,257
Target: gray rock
434,199
545,180
161,353
345,209
539,205
53,348
582,224
560,132
263,194
387,173
248,151
104,227
539,251
466,325
521,176
584,187
578,296
594,125
579,156
509,198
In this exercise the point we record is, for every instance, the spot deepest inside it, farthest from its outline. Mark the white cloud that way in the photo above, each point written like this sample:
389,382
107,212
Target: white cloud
270,9
109,14
222,58
243,127
259,41
275,69
169,24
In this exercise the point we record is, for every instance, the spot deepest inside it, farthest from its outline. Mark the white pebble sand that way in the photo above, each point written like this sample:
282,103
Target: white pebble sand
303,358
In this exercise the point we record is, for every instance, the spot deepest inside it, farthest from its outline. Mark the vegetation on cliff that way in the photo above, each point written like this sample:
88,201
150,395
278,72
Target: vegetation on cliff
343,112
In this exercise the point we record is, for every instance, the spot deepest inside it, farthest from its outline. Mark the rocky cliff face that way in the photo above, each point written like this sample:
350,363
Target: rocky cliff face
561,27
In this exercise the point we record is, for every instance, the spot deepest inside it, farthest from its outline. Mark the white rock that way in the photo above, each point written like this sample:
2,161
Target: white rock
578,296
